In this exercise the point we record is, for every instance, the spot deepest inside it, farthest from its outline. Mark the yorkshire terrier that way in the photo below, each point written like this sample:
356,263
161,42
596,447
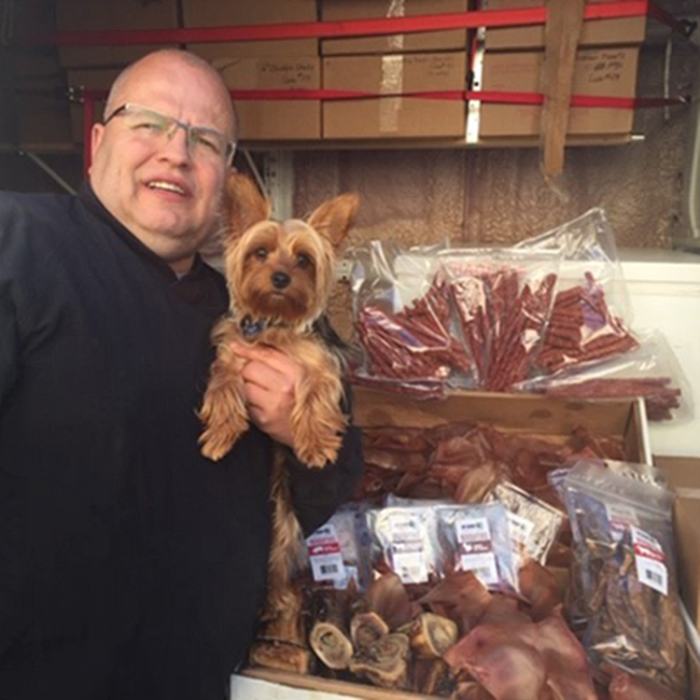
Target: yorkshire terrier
280,276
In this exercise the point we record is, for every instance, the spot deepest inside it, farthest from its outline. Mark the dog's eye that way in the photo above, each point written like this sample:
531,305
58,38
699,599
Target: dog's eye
303,261
261,253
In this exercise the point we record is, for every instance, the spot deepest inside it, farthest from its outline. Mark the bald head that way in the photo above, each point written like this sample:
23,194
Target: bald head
172,59
155,183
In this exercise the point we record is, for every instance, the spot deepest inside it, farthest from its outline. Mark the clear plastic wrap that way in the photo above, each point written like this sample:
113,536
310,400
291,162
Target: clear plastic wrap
533,524
403,320
650,371
404,542
591,315
338,551
623,534
503,300
477,538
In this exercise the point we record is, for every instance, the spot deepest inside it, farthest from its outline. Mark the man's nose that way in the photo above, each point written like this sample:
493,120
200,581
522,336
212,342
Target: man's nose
176,146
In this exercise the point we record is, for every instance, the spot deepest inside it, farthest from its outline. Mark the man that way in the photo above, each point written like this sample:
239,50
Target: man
130,566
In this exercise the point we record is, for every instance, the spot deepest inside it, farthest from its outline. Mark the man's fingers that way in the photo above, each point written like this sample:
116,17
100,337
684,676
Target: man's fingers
274,358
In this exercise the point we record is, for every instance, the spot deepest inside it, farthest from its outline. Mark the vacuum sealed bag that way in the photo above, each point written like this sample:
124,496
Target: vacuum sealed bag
403,320
591,315
404,542
503,299
650,371
338,551
477,538
623,533
533,524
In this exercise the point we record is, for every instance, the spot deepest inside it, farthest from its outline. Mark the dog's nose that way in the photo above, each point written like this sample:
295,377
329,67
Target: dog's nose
280,280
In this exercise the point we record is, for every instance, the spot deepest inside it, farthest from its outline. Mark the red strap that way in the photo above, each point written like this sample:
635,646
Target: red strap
359,27
488,96
513,98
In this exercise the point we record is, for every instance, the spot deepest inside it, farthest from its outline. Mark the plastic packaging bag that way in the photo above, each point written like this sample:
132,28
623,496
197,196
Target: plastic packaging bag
403,320
591,315
338,551
623,534
650,371
503,300
533,524
404,541
477,538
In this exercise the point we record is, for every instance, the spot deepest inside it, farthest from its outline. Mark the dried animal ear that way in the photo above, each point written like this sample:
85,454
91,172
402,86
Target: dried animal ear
246,205
334,218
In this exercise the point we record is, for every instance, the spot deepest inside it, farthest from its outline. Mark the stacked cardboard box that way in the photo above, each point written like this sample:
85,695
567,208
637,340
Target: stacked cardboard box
87,15
606,66
616,31
394,117
342,10
274,119
264,65
392,66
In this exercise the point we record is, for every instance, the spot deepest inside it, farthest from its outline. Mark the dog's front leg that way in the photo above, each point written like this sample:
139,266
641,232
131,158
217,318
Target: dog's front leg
317,420
223,411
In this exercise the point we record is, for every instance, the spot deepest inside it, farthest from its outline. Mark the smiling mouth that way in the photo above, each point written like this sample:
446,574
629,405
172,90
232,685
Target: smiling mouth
166,187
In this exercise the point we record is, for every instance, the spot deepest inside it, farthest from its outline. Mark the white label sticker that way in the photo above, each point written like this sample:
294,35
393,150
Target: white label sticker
520,531
476,549
651,561
324,555
408,550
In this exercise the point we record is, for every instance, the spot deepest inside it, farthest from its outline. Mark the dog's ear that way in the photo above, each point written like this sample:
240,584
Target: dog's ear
246,205
334,218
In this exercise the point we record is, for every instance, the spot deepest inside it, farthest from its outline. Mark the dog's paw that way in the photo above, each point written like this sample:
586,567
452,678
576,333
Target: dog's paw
217,443
317,450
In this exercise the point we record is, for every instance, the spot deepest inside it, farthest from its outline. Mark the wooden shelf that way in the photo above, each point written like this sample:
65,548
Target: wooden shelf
425,143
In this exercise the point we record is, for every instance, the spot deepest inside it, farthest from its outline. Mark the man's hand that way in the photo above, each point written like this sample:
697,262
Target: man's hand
271,378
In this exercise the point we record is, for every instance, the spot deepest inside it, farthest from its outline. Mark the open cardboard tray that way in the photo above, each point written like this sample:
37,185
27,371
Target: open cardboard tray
527,414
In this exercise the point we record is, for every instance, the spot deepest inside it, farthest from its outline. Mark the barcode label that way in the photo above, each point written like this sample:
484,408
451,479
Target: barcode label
324,555
650,560
653,577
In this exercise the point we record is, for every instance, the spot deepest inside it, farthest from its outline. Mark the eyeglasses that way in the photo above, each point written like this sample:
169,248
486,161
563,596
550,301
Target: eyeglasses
204,144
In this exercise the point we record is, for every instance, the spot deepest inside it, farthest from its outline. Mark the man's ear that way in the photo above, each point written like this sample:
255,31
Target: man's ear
246,204
334,218
96,135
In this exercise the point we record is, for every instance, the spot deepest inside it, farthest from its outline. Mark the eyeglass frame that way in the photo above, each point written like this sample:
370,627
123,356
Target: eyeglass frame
187,128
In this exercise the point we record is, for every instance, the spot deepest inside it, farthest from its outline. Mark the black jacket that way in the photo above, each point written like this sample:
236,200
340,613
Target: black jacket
130,566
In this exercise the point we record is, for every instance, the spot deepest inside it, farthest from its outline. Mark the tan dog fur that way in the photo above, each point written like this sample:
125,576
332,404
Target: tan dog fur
260,255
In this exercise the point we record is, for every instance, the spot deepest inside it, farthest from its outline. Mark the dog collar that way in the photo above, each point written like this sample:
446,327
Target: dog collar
251,327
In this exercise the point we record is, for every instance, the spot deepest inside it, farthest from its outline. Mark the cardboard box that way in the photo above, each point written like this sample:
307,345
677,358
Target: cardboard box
340,10
531,414
394,117
684,476
269,120
609,72
623,30
232,13
95,79
88,15
554,419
